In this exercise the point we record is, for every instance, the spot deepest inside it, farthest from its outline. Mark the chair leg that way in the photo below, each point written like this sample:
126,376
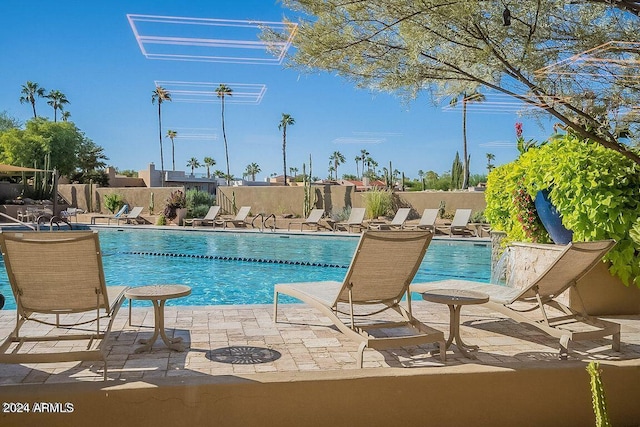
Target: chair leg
275,307
564,348
361,348
615,346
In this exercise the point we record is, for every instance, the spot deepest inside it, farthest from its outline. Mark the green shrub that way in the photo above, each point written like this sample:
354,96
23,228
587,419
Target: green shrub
378,203
196,197
161,220
113,202
594,189
199,211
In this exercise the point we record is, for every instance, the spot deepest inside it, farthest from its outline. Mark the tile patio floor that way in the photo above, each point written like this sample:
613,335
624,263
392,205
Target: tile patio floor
226,340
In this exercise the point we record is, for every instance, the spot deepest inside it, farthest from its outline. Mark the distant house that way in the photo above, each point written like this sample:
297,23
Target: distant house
153,178
364,185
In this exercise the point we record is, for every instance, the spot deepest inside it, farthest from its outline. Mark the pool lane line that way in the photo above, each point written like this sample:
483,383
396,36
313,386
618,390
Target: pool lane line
235,258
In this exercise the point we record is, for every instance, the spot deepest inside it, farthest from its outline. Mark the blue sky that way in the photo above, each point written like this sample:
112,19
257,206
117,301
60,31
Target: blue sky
87,50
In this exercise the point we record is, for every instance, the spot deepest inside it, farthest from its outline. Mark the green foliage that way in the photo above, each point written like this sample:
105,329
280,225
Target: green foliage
378,203
478,217
176,200
99,177
593,188
195,199
597,395
161,220
457,173
7,122
113,202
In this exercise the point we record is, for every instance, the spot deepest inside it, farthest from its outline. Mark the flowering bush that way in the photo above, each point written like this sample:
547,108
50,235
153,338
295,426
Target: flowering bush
176,200
527,215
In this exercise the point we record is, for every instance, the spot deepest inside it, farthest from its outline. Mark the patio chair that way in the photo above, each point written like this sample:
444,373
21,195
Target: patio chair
238,221
427,221
396,223
71,212
458,224
541,295
210,217
313,220
58,276
356,219
123,210
128,218
378,278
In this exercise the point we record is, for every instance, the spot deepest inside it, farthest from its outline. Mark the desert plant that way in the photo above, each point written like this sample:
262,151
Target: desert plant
176,200
594,190
378,203
161,220
113,202
598,396
196,198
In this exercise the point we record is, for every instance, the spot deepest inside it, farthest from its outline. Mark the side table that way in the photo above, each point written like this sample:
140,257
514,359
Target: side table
455,299
158,295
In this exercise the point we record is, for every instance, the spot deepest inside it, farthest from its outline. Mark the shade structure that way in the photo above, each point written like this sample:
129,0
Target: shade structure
10,169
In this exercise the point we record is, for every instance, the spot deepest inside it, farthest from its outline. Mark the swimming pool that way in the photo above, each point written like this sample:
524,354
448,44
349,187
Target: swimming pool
241,268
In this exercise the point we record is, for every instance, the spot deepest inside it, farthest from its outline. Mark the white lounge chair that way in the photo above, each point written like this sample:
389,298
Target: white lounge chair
57,276
134,216
459,223
238,221
123,210
427,221
313,220
396,223
210,217
356,219
576,260
378,278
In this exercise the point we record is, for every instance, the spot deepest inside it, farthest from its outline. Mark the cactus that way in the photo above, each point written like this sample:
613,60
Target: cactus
597,395
307,203
151,203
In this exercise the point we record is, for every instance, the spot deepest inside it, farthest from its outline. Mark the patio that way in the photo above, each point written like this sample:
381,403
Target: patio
236,344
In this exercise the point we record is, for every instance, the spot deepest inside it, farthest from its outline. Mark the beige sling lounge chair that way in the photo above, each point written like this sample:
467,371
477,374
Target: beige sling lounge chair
238,221
378,278
396,223
427,221
576,260
313,220
128,218
210,218
56,277
459,223
355,219
117,215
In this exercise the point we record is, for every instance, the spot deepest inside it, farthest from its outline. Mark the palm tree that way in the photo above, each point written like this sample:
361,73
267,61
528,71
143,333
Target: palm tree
65,116
221,91
193,163
473,97
172,134
293,172
30,91
357,159
490,158
363,156
57,100
337,158
252,170
208,162
160,95
421,175
286,120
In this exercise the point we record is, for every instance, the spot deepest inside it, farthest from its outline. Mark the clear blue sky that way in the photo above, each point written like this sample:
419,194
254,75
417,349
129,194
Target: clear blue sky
87,50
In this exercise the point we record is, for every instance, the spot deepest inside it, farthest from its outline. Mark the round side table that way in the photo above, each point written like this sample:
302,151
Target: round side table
158,295
455,299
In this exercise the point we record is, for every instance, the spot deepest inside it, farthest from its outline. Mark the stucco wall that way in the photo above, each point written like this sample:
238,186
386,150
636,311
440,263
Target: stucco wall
81,196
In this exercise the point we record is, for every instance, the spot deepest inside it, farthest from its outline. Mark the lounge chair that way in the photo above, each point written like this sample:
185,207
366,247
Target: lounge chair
54,274
313,220
124,209
378,278
71,212
427,221
458,224
133,216
576,260
396,223
355,219
210,217
238,221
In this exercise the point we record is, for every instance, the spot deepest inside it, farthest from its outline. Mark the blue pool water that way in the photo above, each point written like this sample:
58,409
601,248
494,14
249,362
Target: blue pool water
241,268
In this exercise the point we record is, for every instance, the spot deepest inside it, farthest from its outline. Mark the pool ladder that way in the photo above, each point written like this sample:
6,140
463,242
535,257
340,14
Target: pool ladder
263,221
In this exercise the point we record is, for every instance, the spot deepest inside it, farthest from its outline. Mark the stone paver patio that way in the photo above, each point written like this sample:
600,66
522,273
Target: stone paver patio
225,340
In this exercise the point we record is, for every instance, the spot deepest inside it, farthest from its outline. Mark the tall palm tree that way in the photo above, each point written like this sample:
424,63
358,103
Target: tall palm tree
472,97
160,95
490,158
30,91
193,163
286,120
172,134
221,91
253,169
337,158
363,157
357,159
65,116
57,100
208,162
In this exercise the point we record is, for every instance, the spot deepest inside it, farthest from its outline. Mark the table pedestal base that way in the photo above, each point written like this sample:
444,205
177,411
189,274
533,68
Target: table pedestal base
158,329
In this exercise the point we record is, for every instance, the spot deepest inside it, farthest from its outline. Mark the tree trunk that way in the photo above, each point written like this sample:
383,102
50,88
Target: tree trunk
465,173
160,133
284,152
226,149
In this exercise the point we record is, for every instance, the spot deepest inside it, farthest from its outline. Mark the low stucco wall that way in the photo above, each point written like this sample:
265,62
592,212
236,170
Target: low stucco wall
91,198
334,198
457,396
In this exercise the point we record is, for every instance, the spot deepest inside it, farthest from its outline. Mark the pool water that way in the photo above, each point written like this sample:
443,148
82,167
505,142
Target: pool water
241,268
